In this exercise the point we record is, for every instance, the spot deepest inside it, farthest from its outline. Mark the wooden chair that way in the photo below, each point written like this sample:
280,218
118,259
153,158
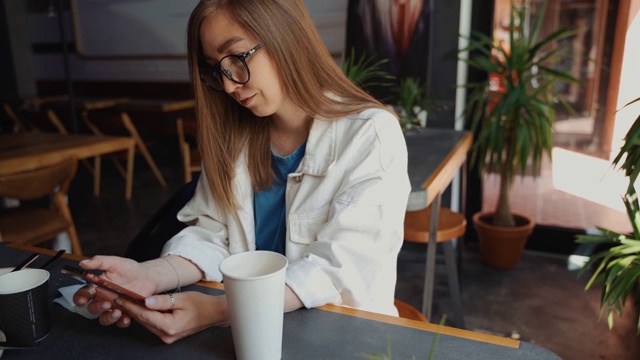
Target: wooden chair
111,126
18,125
191,160
407,311
34,224
50,123
451,225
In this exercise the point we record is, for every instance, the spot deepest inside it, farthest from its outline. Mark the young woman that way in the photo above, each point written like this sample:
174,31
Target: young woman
296,159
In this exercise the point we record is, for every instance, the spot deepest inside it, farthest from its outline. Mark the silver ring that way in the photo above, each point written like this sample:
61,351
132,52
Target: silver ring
173,301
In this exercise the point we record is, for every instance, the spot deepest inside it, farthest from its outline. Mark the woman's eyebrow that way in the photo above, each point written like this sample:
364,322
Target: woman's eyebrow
228,43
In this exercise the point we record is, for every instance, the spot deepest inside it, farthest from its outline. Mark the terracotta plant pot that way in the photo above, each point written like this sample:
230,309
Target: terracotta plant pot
501,247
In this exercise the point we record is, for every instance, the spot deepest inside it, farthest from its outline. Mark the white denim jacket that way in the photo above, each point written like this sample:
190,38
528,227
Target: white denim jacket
345,209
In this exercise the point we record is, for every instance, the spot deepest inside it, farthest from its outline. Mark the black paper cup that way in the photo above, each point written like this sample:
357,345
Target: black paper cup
25,316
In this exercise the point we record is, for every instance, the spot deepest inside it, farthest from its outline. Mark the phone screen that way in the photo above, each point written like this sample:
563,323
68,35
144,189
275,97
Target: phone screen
103,283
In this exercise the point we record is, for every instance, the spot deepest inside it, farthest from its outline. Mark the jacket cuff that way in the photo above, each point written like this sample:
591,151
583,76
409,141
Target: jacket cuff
312,286
207,261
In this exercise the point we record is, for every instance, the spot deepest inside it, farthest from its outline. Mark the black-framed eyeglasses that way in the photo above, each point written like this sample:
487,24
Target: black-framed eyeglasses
234,68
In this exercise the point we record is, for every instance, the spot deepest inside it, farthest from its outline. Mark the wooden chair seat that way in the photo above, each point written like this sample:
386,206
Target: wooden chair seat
451,225
407,311
17,225
32,224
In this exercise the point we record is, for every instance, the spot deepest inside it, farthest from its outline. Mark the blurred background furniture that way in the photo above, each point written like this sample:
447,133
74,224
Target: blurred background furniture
109,123
451,226
17,125
407,311
35,115
53,106
157,117
435,158
26,151
34,224
187,140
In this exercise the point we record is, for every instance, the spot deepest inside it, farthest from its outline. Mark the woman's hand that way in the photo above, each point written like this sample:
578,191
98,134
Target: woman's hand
188,313
124,272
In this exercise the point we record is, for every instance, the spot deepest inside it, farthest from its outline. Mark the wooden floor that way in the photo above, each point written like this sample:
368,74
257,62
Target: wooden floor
540,301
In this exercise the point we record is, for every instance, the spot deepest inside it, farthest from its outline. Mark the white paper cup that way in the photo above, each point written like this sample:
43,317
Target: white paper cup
24,307
254,287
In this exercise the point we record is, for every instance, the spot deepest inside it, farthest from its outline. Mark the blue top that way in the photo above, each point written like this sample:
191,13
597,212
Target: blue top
269,208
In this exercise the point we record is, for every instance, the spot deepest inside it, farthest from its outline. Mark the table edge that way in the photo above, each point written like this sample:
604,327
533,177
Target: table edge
414,324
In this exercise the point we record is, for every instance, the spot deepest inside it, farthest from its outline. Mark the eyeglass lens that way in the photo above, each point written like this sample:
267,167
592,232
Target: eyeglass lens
234,67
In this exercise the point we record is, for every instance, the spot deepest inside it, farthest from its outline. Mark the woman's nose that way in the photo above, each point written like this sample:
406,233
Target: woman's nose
229,85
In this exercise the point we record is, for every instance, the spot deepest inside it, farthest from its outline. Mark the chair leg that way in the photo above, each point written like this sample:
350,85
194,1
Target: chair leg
186,159
97,168
61,205
129,180
126,120
454,286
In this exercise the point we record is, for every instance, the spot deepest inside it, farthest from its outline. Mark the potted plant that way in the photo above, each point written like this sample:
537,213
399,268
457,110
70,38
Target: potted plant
413,104
409,96
366,71
618,266
512,116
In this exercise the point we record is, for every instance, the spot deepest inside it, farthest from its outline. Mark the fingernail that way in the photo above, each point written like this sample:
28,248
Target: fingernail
150,301
85,261
105,306
118,302
92,291
115,315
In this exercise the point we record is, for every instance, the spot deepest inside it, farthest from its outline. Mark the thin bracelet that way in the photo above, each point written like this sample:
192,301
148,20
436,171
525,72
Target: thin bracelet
174,270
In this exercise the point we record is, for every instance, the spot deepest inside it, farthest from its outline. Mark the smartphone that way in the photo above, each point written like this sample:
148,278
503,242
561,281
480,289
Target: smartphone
103,283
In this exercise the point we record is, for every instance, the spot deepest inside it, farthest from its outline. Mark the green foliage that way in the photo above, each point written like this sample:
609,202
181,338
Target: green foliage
514,128
413,104
618,267
630,151
366,72
411,98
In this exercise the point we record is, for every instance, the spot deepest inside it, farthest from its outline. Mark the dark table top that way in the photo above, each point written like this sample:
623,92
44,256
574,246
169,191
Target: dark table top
435,156
308,334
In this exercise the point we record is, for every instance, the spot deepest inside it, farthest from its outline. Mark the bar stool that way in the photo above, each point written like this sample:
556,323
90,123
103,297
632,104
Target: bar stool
451,225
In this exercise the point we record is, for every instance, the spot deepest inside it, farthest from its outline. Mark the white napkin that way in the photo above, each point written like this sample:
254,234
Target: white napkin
66,300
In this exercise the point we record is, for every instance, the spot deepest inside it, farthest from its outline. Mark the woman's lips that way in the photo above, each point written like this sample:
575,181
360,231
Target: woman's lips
246,101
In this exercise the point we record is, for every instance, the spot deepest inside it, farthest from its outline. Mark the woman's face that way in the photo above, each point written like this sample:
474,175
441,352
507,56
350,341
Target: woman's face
221,35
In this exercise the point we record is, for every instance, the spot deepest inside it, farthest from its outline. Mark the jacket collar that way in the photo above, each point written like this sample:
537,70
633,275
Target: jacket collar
320,152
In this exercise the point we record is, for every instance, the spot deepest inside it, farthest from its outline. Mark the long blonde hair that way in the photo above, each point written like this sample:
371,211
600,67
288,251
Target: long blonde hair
307,73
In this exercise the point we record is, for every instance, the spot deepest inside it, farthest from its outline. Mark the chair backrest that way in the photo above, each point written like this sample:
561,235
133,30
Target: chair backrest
38,183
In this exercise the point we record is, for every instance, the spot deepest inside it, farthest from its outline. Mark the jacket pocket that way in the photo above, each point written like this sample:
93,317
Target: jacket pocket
304,227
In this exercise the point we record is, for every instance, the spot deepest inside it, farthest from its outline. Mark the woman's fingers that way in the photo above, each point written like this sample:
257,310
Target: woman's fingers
110,317
163,302
84,295
96,262
155,320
